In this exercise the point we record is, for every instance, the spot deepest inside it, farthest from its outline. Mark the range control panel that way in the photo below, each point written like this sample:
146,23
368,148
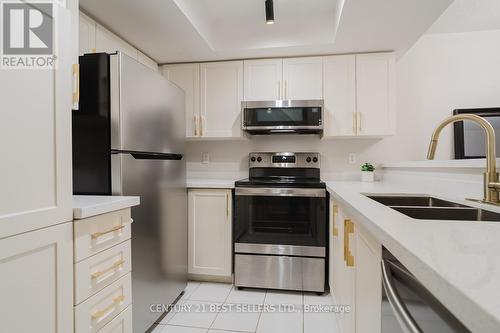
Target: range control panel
284,160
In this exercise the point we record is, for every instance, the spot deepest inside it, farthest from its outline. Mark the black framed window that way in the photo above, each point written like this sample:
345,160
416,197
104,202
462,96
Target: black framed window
469,137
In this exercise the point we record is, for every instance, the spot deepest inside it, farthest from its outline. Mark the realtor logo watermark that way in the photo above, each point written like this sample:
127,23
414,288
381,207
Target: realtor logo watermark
28,34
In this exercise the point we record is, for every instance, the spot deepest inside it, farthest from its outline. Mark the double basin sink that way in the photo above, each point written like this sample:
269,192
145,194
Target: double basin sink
430,208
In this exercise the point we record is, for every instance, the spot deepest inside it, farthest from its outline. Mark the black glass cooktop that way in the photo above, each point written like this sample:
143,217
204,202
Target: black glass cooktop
281,182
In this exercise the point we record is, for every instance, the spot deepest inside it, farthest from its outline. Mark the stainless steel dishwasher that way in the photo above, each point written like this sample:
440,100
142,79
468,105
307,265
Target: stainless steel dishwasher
407,306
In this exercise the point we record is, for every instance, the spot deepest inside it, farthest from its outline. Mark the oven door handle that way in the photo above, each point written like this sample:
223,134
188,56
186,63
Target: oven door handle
405,319
281,192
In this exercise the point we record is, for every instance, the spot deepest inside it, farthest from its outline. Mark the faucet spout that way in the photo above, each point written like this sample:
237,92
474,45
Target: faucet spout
491,183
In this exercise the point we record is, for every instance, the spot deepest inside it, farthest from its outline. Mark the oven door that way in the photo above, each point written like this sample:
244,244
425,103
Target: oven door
282,116
293,218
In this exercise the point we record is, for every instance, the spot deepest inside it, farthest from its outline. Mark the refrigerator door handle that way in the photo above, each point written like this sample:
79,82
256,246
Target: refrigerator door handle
142,155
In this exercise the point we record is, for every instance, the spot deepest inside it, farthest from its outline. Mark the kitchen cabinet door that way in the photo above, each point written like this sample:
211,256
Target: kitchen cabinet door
147,61
86,33
375,81
220,101
263,79
339,92
336,262
36,270
346,287
106,41
368,282
209,232
35,137
187,77
303,78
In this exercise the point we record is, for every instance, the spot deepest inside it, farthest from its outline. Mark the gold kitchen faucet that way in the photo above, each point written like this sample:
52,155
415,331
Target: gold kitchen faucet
491,182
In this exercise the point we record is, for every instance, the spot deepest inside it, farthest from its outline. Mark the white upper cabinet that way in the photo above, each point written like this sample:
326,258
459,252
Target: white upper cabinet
86,34
263,80
106,41
339,91
147,61
221,90
303,78
35,131
187,77
375,81
93,37
359,95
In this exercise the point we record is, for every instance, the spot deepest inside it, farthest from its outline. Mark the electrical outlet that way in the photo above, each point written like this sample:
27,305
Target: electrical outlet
205,158
352,158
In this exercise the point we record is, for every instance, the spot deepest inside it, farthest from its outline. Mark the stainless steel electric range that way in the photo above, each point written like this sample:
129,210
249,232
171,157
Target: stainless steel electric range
280,223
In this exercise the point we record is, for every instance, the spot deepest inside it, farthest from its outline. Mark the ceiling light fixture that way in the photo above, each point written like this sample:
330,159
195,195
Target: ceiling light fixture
269,12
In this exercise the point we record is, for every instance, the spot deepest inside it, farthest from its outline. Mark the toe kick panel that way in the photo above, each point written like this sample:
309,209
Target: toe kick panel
279,272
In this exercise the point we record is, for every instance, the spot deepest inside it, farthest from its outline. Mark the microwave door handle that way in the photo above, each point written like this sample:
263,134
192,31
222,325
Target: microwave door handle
405,319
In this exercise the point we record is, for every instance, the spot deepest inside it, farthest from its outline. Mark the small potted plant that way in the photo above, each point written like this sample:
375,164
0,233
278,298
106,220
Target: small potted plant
367,172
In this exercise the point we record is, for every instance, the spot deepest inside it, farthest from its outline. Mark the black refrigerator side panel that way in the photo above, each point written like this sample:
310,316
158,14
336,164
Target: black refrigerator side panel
92,128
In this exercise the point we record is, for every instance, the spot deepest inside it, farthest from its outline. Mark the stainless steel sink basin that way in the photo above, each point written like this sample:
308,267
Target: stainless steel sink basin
419,201
458,214
430,208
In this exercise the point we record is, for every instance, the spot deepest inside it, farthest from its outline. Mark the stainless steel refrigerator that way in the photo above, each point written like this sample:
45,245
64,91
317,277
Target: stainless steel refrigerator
128,139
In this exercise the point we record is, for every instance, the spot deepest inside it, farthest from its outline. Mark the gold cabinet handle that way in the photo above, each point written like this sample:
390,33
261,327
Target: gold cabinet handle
360,129
76,86
113,267
201,125
354,122
116,301
286,90
195,125
102,233
227,205
279,89
335,210
348,229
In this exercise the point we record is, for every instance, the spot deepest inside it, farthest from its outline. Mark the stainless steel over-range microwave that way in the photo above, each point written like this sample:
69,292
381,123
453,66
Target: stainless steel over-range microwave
283,116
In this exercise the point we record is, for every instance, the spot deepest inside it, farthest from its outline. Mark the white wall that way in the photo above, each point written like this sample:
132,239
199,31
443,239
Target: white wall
441,72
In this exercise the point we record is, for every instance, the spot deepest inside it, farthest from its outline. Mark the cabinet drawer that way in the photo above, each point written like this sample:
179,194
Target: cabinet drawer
98,233
121,323
100,270
94,313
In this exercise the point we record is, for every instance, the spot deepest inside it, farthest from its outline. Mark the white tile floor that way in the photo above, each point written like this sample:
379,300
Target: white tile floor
221,308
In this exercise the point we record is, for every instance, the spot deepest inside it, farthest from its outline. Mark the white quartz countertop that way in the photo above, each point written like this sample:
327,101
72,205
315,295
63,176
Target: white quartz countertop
89,205
210,183
459,262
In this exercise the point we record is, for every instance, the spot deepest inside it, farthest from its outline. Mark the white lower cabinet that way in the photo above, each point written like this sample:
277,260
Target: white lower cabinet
368,285
355,273
122,323
36,274
95,312
209,230
102,273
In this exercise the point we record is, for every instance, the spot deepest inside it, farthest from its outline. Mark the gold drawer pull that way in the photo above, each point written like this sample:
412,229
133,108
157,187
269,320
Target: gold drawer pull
102,233
116,301
348,229
115,266
335,210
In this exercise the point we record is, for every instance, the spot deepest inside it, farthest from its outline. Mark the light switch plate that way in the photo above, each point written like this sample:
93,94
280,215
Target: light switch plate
352,158
205,158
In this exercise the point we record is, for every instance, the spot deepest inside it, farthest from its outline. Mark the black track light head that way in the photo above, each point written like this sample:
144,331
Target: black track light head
269,12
